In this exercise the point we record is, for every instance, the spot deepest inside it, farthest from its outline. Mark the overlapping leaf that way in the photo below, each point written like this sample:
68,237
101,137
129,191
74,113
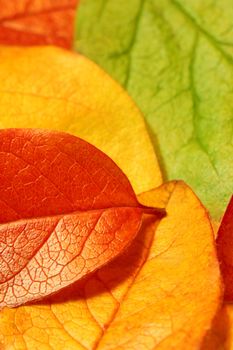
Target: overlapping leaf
74,95
219,337
225,250
157,290
86,102
175,59
66,209
37,22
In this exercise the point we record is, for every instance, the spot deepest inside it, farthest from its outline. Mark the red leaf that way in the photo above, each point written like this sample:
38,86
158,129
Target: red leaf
225,250
37,22
65,210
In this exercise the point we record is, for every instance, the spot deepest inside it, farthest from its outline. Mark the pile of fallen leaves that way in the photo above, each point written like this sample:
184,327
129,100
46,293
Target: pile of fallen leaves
100,248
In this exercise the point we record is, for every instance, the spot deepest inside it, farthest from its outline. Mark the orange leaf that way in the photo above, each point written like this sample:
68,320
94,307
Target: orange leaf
66,209
161,294
37,22
220,336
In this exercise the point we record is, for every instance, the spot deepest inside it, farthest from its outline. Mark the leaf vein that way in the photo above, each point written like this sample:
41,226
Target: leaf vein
215,42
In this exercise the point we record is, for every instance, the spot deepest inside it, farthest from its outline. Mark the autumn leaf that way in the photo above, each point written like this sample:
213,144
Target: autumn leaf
46,173
175,59
225,250
37,22
154,294
66,210
219,337
75,96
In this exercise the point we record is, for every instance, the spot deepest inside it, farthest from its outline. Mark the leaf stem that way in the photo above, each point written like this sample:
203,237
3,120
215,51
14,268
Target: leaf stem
160,212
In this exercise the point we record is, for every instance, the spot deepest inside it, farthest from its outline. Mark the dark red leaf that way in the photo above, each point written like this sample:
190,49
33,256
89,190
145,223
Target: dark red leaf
225,250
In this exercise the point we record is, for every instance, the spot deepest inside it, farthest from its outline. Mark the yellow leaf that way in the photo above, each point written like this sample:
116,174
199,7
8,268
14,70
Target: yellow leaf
161,294
47,87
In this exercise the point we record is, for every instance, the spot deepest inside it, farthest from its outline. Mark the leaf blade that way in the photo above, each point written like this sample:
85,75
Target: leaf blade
176,78
76,210
77,97
61,250
37,23
165,262
224,247
50,173
79,316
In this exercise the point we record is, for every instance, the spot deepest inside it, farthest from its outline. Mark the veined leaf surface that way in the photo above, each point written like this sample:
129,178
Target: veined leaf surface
175,58
75,96
66,209
37,22
154,294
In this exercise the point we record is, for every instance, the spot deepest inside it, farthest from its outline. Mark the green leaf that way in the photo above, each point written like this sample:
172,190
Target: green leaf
175,58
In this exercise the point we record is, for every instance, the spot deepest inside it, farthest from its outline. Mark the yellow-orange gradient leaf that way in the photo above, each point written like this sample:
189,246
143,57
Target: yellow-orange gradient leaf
48,87
161,294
